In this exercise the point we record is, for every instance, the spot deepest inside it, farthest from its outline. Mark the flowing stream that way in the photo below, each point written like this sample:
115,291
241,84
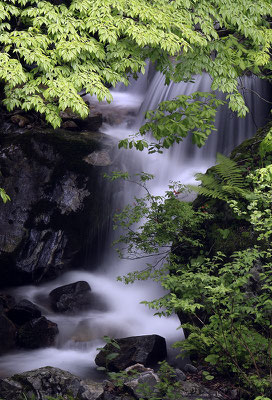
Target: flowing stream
118,310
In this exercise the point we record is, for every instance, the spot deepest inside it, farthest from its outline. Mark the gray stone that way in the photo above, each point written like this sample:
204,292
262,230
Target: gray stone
69,125
19,120
68,195
193,390
91,390
142,384
99,158
91,123
180,375
190,368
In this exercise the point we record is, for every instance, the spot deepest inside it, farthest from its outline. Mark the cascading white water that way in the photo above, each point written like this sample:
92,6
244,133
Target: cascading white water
181,162
120,313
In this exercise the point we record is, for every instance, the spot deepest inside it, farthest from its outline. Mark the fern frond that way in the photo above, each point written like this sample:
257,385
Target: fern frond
214,193
229,171
207,179
224,181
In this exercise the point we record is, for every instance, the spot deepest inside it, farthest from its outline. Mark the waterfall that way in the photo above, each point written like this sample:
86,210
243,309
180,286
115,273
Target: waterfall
121,314
181,162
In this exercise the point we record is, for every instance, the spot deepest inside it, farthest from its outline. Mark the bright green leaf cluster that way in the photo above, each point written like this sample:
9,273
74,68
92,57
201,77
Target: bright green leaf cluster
50,52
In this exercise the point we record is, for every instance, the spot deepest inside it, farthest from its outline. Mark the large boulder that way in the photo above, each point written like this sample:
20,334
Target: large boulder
71,298
23,312
7,334
39,332
58,206
146,350
48,381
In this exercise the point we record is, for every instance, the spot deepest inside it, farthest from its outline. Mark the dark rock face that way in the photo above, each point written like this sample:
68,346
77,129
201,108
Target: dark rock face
23,312
7,334
39,332
146,350
71,298
58,205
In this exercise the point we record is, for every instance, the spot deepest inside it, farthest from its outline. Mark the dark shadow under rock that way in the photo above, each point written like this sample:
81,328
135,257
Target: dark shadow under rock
23,312
39,332
146,350
7,334
6,302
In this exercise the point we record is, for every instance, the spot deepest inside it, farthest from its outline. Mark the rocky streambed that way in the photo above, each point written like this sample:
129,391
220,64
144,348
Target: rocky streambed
132,363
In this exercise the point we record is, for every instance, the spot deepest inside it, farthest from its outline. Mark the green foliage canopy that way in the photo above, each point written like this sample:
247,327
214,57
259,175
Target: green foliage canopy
223,301
51,50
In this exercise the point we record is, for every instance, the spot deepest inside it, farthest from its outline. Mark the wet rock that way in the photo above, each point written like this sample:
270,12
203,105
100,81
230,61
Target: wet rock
67,194
69,125
23,312
99,158
146,350
56,197
19,120
42,257
92,123
180,376
6,302
39,332
91,390
49,381
7,334
71,298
